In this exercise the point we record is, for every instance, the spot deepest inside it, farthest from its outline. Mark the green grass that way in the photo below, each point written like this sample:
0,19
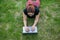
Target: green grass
11,21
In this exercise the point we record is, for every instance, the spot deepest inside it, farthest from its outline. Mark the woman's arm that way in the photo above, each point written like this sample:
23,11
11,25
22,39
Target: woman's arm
36,20
25,20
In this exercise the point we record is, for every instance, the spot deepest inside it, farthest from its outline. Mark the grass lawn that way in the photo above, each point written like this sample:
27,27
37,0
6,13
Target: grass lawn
11,22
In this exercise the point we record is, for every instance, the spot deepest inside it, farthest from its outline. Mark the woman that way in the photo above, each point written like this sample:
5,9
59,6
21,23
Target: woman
31,11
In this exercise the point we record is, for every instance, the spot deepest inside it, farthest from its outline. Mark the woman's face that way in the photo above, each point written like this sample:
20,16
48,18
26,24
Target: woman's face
31,10
30,14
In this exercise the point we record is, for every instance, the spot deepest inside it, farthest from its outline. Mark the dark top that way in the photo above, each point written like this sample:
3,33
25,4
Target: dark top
35,13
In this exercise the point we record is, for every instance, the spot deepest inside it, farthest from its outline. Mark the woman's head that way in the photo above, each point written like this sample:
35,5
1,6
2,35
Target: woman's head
30,9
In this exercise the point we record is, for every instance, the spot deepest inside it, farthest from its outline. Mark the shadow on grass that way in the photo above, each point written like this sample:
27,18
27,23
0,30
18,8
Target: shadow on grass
30,21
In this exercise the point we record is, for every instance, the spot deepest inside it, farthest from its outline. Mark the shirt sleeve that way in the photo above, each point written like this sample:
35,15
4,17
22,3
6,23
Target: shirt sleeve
25,11
36,11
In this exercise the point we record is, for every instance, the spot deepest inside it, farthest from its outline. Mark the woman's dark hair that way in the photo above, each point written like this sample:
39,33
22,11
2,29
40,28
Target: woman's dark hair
30,9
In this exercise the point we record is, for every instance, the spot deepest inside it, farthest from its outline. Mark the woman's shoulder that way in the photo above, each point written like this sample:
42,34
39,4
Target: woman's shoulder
25,11
36,10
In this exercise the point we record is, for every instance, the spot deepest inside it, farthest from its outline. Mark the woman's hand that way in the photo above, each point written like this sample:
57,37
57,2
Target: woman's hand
26,29
33,28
